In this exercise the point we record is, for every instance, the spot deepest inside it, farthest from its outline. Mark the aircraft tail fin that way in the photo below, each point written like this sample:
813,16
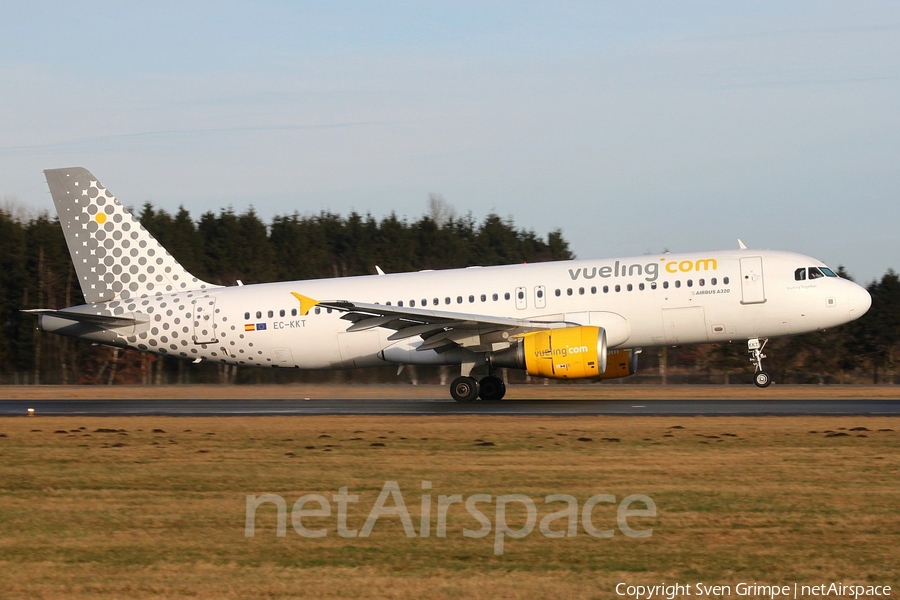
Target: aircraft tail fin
115,257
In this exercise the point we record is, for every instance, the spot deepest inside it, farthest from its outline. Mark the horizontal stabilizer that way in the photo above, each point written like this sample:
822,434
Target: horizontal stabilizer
107,321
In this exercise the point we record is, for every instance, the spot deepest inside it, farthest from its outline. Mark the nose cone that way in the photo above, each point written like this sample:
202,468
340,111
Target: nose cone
858,300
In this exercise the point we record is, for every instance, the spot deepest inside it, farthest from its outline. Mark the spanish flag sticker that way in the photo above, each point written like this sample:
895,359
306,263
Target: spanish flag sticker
249,327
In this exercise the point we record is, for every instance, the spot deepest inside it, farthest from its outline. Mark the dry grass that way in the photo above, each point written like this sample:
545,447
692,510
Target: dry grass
138,513
577,391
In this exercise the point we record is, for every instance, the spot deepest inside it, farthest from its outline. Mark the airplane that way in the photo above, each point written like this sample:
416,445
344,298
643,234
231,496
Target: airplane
564,320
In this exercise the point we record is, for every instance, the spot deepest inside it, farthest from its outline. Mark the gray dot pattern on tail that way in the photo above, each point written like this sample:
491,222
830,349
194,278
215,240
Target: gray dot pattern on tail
117,257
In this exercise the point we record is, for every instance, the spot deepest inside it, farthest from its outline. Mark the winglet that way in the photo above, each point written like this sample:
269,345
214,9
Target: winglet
306,303
741,244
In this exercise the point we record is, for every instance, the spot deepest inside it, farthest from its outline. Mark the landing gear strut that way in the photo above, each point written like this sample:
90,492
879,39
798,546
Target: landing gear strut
761,379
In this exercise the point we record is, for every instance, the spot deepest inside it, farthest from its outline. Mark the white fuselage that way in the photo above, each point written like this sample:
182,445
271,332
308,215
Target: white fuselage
643,301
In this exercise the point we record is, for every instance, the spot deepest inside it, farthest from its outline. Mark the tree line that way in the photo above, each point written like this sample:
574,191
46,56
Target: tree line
226,247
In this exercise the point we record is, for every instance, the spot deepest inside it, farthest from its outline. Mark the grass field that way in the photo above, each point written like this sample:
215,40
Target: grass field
136,507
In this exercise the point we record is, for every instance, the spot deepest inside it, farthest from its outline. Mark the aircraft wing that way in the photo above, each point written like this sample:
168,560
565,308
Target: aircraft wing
439,329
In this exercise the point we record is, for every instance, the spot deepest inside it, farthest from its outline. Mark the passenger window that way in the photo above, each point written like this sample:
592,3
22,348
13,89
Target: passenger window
399,302
690,282
293,312
558,293
618,288
495,297
569,292
506,295
540,293
447,300
605,289
520,295
725,280
246,316
593,289
641,287
665,285
702,282
318,311
630,287
653,286
259,314
471,298
459,299
412,303
712,281
281,313
800,274
483,298
436,302
678,283
581,291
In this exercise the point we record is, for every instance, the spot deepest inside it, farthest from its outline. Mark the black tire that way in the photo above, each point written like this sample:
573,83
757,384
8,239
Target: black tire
762,379
492,388
464,389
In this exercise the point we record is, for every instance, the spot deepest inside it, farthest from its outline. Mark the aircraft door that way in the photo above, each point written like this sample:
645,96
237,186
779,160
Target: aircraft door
283,357
521,299
752,288
540,297
360,348
205,321
685,325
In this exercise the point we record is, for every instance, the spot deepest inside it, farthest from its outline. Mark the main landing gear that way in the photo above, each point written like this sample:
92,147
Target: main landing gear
761,379
466,389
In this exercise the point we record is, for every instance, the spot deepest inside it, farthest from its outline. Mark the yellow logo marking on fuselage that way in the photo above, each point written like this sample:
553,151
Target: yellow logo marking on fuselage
306,303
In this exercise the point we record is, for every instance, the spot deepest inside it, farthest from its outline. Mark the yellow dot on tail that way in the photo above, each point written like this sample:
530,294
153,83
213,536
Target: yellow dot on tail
101,218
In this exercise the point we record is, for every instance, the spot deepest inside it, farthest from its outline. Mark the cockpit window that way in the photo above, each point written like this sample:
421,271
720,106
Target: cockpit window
803,273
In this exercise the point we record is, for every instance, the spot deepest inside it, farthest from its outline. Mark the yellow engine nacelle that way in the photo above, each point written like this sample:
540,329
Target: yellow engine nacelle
568,353
620,363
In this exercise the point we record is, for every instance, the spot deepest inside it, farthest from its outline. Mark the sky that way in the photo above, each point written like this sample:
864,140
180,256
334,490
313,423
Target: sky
634,127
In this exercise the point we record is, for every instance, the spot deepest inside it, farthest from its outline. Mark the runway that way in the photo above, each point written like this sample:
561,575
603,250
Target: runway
274,407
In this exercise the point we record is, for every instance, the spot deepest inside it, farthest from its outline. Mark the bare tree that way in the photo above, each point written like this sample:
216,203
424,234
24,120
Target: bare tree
15,210
439,210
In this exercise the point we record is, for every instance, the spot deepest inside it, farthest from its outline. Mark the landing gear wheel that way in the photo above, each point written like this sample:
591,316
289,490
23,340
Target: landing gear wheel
464,389
762,379
492,388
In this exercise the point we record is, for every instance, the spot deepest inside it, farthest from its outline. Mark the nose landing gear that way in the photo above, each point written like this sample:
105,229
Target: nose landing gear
761,379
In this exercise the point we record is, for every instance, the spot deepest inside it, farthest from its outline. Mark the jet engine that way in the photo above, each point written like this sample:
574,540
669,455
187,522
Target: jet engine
567,353
620,363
